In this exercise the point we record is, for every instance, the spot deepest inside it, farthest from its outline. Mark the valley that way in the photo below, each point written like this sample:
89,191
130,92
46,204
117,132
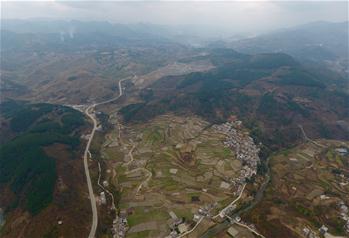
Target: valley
176,176
122,131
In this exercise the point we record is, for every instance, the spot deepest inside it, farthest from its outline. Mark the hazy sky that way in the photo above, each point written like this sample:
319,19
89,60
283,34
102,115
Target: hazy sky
235,16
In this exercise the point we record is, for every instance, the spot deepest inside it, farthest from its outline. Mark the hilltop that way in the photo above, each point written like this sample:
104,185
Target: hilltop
272,93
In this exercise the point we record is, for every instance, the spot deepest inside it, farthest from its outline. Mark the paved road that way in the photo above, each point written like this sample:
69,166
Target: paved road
222,212
213,231
88,178
249,228
90,113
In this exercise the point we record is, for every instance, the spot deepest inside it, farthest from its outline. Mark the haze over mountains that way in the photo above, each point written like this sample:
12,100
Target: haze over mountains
81,49
302,41
178,114
318,41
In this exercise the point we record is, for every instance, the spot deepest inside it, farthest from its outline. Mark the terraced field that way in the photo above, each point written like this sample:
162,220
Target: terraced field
310,185
170,165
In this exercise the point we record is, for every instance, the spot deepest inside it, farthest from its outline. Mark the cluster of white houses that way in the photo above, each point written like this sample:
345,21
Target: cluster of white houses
344,214
120,226
245,150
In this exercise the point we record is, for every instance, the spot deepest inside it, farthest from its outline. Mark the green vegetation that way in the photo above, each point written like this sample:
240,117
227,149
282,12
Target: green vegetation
26,117
269,105
154,135
295,107
141,234
72,120
302,204
72,78
272,61
303,210
225,77
226,152
129,111
52,233
25,167
300,78
140,216
253,87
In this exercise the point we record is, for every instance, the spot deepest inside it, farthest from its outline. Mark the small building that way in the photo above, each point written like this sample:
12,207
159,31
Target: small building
232,232
173,171
342,151
182,228
105,183
173,215
324,197
202,211
323,229
306,231
196,217
103,198
224,185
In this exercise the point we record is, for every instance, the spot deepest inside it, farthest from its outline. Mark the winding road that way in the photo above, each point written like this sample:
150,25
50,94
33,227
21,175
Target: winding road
130,155
90,113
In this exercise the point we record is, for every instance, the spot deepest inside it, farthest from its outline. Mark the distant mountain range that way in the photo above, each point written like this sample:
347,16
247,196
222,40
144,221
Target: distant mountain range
313,41
63,35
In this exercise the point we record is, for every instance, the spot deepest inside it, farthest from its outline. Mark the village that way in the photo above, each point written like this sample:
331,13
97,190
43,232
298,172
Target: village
230,182
245,151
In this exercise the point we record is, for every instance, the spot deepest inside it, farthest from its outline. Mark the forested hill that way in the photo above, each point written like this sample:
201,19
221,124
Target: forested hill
272,94
30,171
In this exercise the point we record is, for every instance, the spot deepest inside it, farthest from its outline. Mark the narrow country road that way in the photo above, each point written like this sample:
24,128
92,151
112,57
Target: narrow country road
222,212
90,113
214,230
307,138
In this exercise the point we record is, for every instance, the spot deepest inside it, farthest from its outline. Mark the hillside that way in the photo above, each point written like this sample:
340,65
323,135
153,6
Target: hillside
78,62
41,174
307,190
182,136
272,93
322,46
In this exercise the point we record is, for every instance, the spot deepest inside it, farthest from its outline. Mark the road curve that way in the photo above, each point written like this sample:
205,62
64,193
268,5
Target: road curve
232,203
89,112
